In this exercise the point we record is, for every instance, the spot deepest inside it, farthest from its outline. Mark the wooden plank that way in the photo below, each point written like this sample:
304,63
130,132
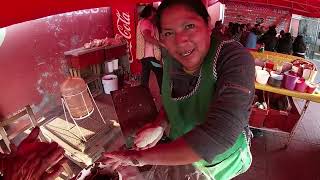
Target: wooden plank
13,118
91,127
76,156
91,154
82,50
34,121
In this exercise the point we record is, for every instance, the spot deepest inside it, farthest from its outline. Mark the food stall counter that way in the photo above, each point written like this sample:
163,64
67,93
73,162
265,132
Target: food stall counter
306,96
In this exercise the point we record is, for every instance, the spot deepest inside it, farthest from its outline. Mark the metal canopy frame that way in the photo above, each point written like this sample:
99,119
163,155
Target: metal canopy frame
309,8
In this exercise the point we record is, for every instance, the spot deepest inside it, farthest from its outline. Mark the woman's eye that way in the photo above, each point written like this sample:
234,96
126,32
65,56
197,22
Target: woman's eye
166,34
189,26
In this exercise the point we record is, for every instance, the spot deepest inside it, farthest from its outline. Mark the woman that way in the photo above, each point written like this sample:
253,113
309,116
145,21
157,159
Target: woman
148,46
207,91
299,47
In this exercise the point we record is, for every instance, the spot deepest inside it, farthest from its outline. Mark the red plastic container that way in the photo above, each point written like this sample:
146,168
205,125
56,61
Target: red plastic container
282,120
269,65
257,117
311,87
276,119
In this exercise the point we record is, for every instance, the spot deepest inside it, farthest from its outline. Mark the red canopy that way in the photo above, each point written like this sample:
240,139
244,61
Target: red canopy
13,12
309,8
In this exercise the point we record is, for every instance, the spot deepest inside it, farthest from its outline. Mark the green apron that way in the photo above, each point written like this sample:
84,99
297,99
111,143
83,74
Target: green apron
184,113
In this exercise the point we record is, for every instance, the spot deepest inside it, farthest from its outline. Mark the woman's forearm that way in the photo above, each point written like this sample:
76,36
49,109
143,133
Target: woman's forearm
177,152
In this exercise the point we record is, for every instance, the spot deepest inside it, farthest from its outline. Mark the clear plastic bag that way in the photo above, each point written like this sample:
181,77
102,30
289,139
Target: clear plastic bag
185,172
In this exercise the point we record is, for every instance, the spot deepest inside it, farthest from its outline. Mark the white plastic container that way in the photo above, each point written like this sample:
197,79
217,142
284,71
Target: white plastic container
258,68
110,83
115,63
108,66
313,75
306,74
276,76
262,76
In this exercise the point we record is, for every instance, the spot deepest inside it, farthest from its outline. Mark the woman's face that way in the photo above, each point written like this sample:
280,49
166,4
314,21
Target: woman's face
185,35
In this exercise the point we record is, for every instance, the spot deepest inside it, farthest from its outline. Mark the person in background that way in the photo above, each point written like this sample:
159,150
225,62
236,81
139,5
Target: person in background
252,38
229,29
257,26
281,35
218,29
299,47
148,46
207,92
243,28
285,44
32,160
269,39
236,32
245,34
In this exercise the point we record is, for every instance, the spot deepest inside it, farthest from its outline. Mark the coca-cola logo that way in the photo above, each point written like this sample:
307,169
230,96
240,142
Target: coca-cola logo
123,26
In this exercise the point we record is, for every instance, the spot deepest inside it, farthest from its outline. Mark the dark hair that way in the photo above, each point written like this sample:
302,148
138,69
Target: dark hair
299,44
287,35
147,11
235,29
195,5
272,27
272,31
218,24
255,31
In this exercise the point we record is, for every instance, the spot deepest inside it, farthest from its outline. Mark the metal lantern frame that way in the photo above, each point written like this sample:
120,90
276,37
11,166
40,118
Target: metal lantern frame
74,119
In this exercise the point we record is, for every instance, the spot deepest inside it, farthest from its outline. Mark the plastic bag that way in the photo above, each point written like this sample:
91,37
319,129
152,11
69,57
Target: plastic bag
182,172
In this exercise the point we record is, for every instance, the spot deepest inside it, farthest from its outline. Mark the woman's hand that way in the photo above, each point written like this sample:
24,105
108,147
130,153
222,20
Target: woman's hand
121,158
148,136
33,160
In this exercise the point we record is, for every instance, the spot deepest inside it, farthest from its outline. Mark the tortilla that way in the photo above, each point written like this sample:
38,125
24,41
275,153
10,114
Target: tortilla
148,136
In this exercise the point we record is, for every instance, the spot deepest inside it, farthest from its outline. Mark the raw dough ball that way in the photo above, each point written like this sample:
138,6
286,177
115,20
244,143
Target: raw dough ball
148,136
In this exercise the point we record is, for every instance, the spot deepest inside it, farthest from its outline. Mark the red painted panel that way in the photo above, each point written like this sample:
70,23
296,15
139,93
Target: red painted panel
32,64
84,60
124,18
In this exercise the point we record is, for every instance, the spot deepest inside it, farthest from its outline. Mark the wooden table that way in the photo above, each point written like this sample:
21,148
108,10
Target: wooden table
81,57
86,63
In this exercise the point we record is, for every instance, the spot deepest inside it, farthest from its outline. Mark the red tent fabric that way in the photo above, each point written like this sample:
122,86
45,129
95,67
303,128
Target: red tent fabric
13,12
309,8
